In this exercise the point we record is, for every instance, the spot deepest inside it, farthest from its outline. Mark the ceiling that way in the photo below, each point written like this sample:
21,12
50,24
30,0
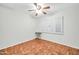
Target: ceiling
23,7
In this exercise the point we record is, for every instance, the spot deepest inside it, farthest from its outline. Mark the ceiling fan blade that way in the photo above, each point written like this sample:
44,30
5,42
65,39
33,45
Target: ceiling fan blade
30,10
36,14
35,4
44,12
47,7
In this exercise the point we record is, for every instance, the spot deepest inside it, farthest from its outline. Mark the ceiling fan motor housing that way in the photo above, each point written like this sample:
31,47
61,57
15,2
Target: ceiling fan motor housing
38,7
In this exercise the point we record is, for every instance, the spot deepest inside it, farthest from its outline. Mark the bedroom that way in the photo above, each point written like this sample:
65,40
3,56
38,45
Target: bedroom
58,24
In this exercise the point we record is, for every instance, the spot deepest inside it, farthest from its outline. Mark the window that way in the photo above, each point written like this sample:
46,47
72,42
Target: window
52,25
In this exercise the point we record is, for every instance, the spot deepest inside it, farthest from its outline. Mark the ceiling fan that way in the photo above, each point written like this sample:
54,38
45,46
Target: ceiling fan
39,8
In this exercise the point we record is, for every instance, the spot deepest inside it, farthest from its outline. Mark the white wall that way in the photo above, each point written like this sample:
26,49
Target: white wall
15,27
71,27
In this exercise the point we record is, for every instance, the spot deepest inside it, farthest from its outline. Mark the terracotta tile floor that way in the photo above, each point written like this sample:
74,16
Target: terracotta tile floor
39,47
